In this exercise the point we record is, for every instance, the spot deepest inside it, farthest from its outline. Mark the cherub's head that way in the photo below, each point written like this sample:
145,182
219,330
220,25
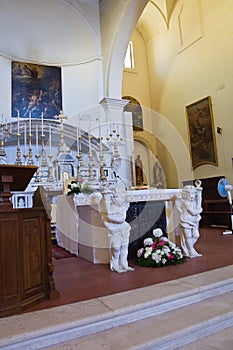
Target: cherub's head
189,192
116,163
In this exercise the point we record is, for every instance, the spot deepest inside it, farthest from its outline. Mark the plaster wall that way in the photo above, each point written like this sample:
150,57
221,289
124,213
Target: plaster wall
188,73
187,61
136,82
69,38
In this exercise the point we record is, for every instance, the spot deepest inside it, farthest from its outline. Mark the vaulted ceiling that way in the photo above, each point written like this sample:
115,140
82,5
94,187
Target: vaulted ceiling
57,32
156,17
50,32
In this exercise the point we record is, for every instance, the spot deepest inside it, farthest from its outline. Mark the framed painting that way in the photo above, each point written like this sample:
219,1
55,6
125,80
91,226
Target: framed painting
135,108
36,89
201,133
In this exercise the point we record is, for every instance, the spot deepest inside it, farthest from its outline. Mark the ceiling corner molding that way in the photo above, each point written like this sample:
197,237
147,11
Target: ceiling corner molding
49,63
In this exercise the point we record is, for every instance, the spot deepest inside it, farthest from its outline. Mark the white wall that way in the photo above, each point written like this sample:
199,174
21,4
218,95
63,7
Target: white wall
69,38
80,90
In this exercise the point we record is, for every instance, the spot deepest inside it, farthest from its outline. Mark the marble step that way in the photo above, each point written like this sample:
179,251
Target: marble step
169,331
162,316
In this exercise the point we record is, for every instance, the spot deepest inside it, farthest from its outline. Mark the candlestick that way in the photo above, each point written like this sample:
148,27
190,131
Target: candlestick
6,125
90,145
30,123
42,123
78,141
100,138
37,139
18,121
50,140
25,138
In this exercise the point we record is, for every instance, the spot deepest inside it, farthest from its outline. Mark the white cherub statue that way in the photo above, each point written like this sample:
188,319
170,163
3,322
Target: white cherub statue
190,208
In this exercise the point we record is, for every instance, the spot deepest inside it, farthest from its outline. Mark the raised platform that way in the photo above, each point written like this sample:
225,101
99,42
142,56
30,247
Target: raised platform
164,316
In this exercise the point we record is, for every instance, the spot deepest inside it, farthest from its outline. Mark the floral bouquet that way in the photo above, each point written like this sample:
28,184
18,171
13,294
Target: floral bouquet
78,186
158,251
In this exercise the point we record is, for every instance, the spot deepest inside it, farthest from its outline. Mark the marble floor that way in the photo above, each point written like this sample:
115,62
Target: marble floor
77,279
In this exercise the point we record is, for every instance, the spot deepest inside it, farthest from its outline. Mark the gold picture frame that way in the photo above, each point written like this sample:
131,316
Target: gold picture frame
36,89
201,133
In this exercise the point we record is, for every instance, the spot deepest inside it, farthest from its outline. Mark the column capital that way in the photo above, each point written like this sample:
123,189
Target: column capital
112,103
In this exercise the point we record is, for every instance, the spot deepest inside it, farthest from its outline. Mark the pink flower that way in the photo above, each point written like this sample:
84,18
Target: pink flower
153,246
161,243
140,252
170,256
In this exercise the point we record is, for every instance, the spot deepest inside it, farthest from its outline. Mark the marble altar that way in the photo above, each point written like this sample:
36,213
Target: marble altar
90,234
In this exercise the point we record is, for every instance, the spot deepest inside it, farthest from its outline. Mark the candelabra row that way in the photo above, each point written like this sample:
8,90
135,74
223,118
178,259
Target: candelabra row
113,138
39,135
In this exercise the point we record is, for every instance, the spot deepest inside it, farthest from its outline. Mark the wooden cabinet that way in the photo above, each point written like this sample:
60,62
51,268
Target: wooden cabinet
26,269
216,210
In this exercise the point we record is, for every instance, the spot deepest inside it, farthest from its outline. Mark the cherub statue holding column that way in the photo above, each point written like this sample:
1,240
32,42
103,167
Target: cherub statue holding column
113,208
190,209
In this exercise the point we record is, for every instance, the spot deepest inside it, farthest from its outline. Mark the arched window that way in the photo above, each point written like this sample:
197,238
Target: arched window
129,57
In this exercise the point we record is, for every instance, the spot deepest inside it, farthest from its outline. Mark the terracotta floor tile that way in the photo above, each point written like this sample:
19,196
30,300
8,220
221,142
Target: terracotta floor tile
77,279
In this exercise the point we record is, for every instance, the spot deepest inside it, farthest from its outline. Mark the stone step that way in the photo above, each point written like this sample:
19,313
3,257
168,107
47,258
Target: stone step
162,316
167,331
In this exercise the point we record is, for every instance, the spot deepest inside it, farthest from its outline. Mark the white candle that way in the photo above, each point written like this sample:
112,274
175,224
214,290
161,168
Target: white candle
90,143
37,139
30,123
18,121
50,140
101,150
78,141
42,123
25,138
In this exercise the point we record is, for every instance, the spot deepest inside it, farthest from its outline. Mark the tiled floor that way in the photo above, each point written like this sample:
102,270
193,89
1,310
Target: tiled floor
77,279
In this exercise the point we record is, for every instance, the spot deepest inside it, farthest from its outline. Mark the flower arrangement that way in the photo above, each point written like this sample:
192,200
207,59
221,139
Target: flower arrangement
158,251
78,186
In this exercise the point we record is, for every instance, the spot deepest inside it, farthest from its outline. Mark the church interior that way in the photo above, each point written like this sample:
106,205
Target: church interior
109,110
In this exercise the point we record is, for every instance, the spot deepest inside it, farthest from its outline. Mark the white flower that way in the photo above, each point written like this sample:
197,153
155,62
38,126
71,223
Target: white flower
73,185
164,261
156,257
166,249
172,245
165,239
148,251
157,232
148,241
179,254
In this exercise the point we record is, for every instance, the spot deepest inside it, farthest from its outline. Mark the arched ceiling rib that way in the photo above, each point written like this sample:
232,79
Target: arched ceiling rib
156,17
